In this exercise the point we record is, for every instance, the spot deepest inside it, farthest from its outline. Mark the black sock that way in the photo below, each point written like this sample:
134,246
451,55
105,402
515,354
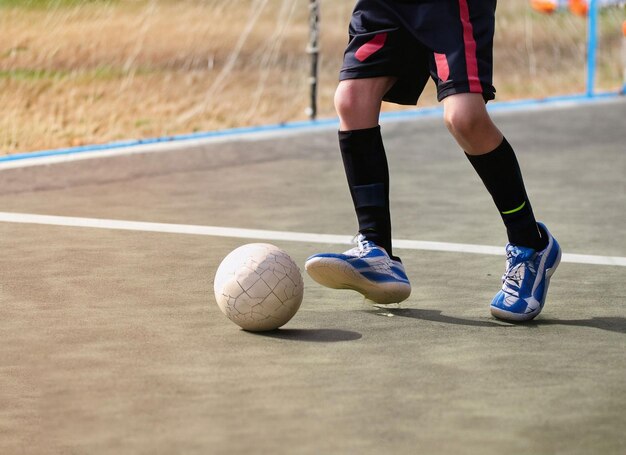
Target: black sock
367,171
501,174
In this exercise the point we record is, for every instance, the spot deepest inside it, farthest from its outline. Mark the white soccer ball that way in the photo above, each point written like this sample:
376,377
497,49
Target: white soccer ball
258,287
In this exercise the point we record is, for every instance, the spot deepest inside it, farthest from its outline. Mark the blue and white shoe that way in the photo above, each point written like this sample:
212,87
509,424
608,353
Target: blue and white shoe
367,269
526,280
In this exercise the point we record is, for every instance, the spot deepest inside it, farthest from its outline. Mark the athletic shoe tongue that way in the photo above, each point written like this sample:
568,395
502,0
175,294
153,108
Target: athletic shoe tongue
519,254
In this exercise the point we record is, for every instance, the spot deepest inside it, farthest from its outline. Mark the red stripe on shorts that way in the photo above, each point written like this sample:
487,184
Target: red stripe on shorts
373,45
470,49
443,69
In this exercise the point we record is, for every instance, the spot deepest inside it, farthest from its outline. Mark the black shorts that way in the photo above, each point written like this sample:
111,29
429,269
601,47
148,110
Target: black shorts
448,40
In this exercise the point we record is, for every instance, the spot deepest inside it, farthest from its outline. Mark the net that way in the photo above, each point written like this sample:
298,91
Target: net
78,72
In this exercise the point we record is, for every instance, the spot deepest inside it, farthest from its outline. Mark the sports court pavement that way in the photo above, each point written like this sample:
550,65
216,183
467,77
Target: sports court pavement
112,342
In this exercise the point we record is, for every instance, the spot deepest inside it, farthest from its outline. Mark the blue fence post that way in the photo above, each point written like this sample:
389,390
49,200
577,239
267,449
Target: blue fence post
592,44
624,58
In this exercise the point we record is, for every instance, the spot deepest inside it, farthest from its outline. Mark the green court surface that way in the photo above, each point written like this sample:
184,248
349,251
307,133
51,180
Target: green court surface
112,341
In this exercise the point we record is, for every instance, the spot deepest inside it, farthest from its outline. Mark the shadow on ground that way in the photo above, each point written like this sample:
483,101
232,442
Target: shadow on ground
611,324
311,335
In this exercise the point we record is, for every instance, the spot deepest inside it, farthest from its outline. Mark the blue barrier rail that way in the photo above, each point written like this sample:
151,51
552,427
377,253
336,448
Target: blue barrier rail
323,123
592,45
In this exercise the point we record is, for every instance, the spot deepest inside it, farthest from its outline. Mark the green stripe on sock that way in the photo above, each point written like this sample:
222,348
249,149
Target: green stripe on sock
515,210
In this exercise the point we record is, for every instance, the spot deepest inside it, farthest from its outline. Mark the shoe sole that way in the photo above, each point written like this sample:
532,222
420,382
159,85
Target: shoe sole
517,317
337,274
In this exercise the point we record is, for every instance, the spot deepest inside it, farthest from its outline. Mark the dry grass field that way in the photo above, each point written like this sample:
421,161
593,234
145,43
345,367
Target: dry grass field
80,72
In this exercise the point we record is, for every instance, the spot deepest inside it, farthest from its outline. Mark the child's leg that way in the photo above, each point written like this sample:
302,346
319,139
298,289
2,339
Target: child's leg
494,160
358,104
366,268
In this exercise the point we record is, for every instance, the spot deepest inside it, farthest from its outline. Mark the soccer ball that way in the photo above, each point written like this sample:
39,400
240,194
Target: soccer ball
258,287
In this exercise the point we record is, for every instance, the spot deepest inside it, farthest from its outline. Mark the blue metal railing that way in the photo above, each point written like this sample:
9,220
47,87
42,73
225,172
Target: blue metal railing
592,45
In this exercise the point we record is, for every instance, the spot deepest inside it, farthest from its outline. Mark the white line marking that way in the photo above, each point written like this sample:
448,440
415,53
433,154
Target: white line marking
257,234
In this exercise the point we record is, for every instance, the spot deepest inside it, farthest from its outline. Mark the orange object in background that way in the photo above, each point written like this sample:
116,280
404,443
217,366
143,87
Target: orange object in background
579,7
624,29
544,6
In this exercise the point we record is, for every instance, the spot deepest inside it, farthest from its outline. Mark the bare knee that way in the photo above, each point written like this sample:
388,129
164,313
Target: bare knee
358,101
349,97
464,123
467,119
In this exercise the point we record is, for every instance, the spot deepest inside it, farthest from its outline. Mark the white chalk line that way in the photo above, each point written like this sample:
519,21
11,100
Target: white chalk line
258,234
